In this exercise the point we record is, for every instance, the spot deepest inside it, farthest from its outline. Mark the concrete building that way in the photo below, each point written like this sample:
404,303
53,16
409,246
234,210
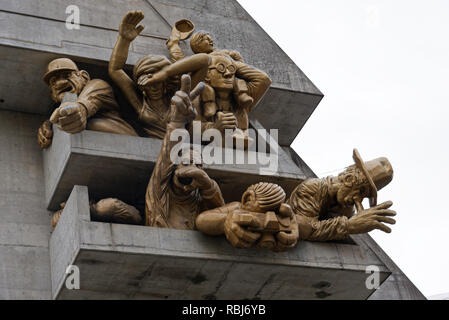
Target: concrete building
121,261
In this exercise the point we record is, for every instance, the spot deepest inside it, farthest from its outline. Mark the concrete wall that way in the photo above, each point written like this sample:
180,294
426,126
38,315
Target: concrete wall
24,221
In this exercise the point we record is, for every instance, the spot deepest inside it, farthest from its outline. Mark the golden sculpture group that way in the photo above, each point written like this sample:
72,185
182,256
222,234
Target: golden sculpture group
183,196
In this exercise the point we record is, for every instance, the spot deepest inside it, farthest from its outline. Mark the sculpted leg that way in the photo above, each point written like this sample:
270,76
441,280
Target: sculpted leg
115,211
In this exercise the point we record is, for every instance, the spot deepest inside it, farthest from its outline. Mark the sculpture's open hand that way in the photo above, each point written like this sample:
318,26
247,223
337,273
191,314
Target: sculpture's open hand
372,218
70,117
45,134
235,229
128,27
181,108
225,120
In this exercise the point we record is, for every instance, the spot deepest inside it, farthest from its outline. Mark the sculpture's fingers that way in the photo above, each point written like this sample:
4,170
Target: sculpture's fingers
386,212
235,241
385,219
384,205
63,121
197,90
140,28
243,234
177,101
184,96
287,238
186,83
128,17
55,116
68,110
383,227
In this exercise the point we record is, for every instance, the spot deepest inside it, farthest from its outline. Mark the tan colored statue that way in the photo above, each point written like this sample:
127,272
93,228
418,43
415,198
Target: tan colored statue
150,101
110,210
324,208
261,218
84,103
201,42
177,193
232,87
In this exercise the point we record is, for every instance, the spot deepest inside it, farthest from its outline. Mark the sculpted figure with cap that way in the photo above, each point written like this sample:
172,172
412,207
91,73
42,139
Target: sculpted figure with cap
84,103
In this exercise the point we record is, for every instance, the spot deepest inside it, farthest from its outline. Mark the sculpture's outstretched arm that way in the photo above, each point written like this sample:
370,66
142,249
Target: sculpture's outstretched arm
128,31
196,65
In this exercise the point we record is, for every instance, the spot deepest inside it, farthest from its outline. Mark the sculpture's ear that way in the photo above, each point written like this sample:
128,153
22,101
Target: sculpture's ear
84,75
248,196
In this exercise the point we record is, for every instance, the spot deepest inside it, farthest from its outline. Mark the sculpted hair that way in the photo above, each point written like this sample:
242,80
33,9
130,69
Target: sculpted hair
148,65
195,40
268,195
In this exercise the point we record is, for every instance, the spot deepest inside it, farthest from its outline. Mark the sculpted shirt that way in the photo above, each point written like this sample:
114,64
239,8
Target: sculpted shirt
318,220
98,98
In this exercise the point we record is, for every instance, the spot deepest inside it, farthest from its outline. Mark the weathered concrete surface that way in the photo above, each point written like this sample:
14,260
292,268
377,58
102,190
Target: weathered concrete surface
40,26
24,221
130,262
397,286
120,166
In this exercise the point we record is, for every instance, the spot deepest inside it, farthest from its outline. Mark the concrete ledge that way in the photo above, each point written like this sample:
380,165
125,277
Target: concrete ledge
138,262
120,166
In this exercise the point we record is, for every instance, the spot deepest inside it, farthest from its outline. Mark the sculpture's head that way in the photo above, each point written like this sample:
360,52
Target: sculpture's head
263,197
201,42
144,68
362,180
221,72
62,75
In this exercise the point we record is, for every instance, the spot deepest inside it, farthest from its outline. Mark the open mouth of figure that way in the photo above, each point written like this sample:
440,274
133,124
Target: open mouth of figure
66,88
185,181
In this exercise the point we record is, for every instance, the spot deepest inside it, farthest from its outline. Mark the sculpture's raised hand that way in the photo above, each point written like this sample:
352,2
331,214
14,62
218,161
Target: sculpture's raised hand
181,108
128,27
372,218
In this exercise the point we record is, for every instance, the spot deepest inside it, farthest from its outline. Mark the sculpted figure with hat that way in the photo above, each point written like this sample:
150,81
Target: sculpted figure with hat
325,208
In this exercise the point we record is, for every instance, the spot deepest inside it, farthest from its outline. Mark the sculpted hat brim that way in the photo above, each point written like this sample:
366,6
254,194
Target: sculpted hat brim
361,165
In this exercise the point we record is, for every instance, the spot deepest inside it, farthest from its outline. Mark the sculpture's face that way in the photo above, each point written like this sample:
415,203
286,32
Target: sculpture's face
65,81
221,73
351,189
153,91
188,162
206,45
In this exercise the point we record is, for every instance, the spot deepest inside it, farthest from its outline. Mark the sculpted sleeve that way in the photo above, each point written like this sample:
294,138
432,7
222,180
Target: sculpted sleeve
308,202
257,81
97,96
212,198
157,195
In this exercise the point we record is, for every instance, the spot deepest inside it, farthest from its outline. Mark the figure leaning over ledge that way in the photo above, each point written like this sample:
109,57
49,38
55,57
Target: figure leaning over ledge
324,208
261,218
177,193
84,103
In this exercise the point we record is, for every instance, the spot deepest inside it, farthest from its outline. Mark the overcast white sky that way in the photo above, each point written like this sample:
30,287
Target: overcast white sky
383,67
